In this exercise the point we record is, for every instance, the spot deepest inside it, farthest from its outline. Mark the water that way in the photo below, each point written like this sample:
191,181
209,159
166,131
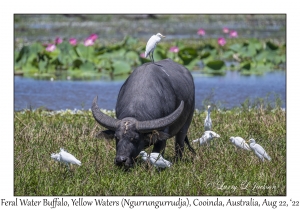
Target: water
230,91
115,27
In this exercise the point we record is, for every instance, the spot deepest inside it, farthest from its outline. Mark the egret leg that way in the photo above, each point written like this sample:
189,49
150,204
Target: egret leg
152,58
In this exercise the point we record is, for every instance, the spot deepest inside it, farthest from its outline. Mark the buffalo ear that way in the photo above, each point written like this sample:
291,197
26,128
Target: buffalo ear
162,135
157,135
107,134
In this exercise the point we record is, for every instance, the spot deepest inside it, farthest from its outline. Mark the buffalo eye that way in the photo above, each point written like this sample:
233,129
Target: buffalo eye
134,139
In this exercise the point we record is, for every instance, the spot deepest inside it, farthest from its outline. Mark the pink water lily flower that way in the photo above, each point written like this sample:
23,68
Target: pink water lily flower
72,41
88,42
93,37
233,34
142,55
222,41
174,49
50,47
201,32
225,30
58,40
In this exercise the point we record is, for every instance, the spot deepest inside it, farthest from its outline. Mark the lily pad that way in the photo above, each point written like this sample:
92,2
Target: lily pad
87,66
235,47
85,52
121,67
216,64
187,55
246,66
204,54
271,45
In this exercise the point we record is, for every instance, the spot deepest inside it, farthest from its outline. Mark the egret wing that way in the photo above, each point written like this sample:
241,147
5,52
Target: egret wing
69,158
261,151
150,45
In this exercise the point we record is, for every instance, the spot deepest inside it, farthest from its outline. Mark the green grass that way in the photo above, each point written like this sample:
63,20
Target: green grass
218,169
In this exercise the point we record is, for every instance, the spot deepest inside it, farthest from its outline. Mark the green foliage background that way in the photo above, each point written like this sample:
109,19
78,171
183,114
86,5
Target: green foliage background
118,52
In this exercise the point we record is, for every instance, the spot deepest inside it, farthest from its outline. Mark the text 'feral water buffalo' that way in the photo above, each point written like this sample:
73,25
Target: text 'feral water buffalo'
155,103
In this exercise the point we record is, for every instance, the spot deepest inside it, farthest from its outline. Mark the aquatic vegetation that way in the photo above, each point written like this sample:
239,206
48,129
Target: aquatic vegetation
90,59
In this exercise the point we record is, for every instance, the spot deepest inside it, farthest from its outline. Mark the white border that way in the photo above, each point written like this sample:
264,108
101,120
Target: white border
140,7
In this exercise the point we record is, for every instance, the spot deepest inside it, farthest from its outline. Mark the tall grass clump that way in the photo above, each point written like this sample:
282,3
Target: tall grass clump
216,169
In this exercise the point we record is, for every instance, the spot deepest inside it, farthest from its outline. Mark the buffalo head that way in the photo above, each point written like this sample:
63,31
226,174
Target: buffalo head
131,135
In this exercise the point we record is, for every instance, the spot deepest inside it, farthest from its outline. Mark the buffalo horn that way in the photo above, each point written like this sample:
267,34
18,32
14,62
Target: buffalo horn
103,119
157,124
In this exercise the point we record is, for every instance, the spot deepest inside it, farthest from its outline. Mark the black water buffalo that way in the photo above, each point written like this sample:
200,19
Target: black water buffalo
155,103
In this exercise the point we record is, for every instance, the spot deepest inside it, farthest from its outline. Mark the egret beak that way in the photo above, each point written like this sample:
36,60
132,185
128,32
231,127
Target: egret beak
163,36
248,141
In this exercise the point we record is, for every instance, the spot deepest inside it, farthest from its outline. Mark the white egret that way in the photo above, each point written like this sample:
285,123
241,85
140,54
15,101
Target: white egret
240,143
151,44
144,156
55,157
207,137
207,121
155,159
65,157
259,150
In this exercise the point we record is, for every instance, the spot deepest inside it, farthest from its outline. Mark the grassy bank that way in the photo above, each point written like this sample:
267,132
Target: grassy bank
218,169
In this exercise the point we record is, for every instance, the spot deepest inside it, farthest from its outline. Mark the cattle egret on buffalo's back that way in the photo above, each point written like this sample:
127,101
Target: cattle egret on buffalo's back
151,44
65,157
259,150
240,143
207,137
207,121
156,159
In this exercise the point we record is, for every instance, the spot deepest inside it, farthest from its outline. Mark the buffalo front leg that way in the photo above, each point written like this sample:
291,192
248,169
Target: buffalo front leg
159,147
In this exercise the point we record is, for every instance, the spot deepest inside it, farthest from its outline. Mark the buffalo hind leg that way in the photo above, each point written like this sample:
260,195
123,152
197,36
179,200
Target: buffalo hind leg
186,140
182,138
179,144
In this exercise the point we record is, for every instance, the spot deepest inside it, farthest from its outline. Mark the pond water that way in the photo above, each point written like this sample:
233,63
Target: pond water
228,91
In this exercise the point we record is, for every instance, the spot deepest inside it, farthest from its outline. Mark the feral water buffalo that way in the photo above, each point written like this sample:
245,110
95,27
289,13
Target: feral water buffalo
155,103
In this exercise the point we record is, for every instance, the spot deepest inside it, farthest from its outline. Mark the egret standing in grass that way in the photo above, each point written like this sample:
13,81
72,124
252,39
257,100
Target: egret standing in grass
259,150
156,159
65,157
207,121
207,137
240,143
151,44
